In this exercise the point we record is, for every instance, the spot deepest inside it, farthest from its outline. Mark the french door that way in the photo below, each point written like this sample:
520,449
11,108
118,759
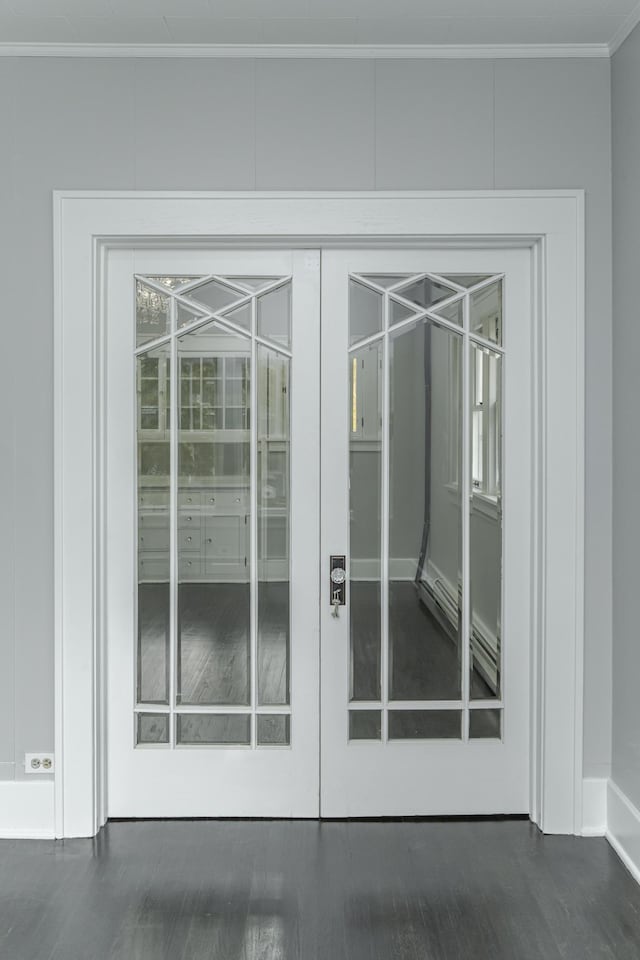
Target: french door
318,514
426,490
213,525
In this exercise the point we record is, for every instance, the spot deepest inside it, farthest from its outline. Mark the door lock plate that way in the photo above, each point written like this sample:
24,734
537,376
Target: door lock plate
338,580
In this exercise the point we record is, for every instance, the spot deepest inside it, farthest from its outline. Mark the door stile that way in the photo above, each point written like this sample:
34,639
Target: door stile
174,571
465,507
385,664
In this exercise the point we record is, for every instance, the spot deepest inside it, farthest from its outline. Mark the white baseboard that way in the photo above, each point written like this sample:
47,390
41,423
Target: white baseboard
26,810
623,829
594,807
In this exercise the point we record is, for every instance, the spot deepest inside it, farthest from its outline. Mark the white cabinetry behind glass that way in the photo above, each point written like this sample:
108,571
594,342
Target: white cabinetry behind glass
214,496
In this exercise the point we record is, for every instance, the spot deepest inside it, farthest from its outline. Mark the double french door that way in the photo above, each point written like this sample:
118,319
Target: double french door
268,411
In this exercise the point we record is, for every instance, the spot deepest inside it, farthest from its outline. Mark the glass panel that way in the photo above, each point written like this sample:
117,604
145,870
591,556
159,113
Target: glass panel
152,728
274,315
213,518
253,284
365,311
153,473
398,312
485,724
386,280
365,724
273,526
186,315
425,536
486,312
454,312
152,313
222,728
485,531
466,279
425,292
425,724
241,316
214,295
274,729
173,282
365,503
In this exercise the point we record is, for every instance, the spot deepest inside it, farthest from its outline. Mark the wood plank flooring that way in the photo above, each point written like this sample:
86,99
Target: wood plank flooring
213,663
305,890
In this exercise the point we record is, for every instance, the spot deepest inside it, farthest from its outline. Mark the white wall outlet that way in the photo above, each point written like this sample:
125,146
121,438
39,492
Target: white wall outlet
38,763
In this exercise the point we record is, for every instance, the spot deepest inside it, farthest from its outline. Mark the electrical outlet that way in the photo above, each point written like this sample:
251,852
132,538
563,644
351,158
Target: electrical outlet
38,763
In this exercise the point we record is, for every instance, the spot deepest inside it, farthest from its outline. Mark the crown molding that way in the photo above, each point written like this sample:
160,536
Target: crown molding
624,30
526,51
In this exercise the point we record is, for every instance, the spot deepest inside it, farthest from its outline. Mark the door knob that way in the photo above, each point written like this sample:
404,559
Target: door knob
337,582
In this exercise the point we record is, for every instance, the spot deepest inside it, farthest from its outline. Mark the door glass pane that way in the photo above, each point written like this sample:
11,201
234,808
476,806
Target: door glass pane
365,503
453,312
386,280
365,724
173,282
152,313
486,312
466,279
213,519
273,444
274,315
153,473
241,316
365,311
186,315
214,295
152,728
425,533
399,312
485,526
221,728
425,724
485,724
252,284
425,292
274,729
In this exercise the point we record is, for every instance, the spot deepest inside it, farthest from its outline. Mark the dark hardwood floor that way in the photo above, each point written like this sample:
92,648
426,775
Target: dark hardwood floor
213,661
304,890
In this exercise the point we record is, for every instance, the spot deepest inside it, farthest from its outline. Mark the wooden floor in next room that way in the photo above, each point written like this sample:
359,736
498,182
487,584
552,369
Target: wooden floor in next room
306,890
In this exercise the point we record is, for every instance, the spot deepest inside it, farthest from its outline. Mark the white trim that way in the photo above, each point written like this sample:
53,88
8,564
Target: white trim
26,810
624,30
287,51
551,222
579,486
623,828
594,807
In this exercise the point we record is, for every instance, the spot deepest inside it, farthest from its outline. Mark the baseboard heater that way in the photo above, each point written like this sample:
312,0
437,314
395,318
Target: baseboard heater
440,601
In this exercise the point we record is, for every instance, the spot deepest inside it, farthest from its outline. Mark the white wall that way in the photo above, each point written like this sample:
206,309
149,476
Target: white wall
270,125
626,433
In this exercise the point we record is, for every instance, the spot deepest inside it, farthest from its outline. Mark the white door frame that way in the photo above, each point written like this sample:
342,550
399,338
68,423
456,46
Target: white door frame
550,223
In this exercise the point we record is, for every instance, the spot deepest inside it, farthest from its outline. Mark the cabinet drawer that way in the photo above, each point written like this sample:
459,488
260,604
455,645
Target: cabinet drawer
153,568
226,539
189,568
189,539
189,519
189,498
153,498
154,538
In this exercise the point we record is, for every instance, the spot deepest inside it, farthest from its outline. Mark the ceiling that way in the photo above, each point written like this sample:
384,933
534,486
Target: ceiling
353,22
